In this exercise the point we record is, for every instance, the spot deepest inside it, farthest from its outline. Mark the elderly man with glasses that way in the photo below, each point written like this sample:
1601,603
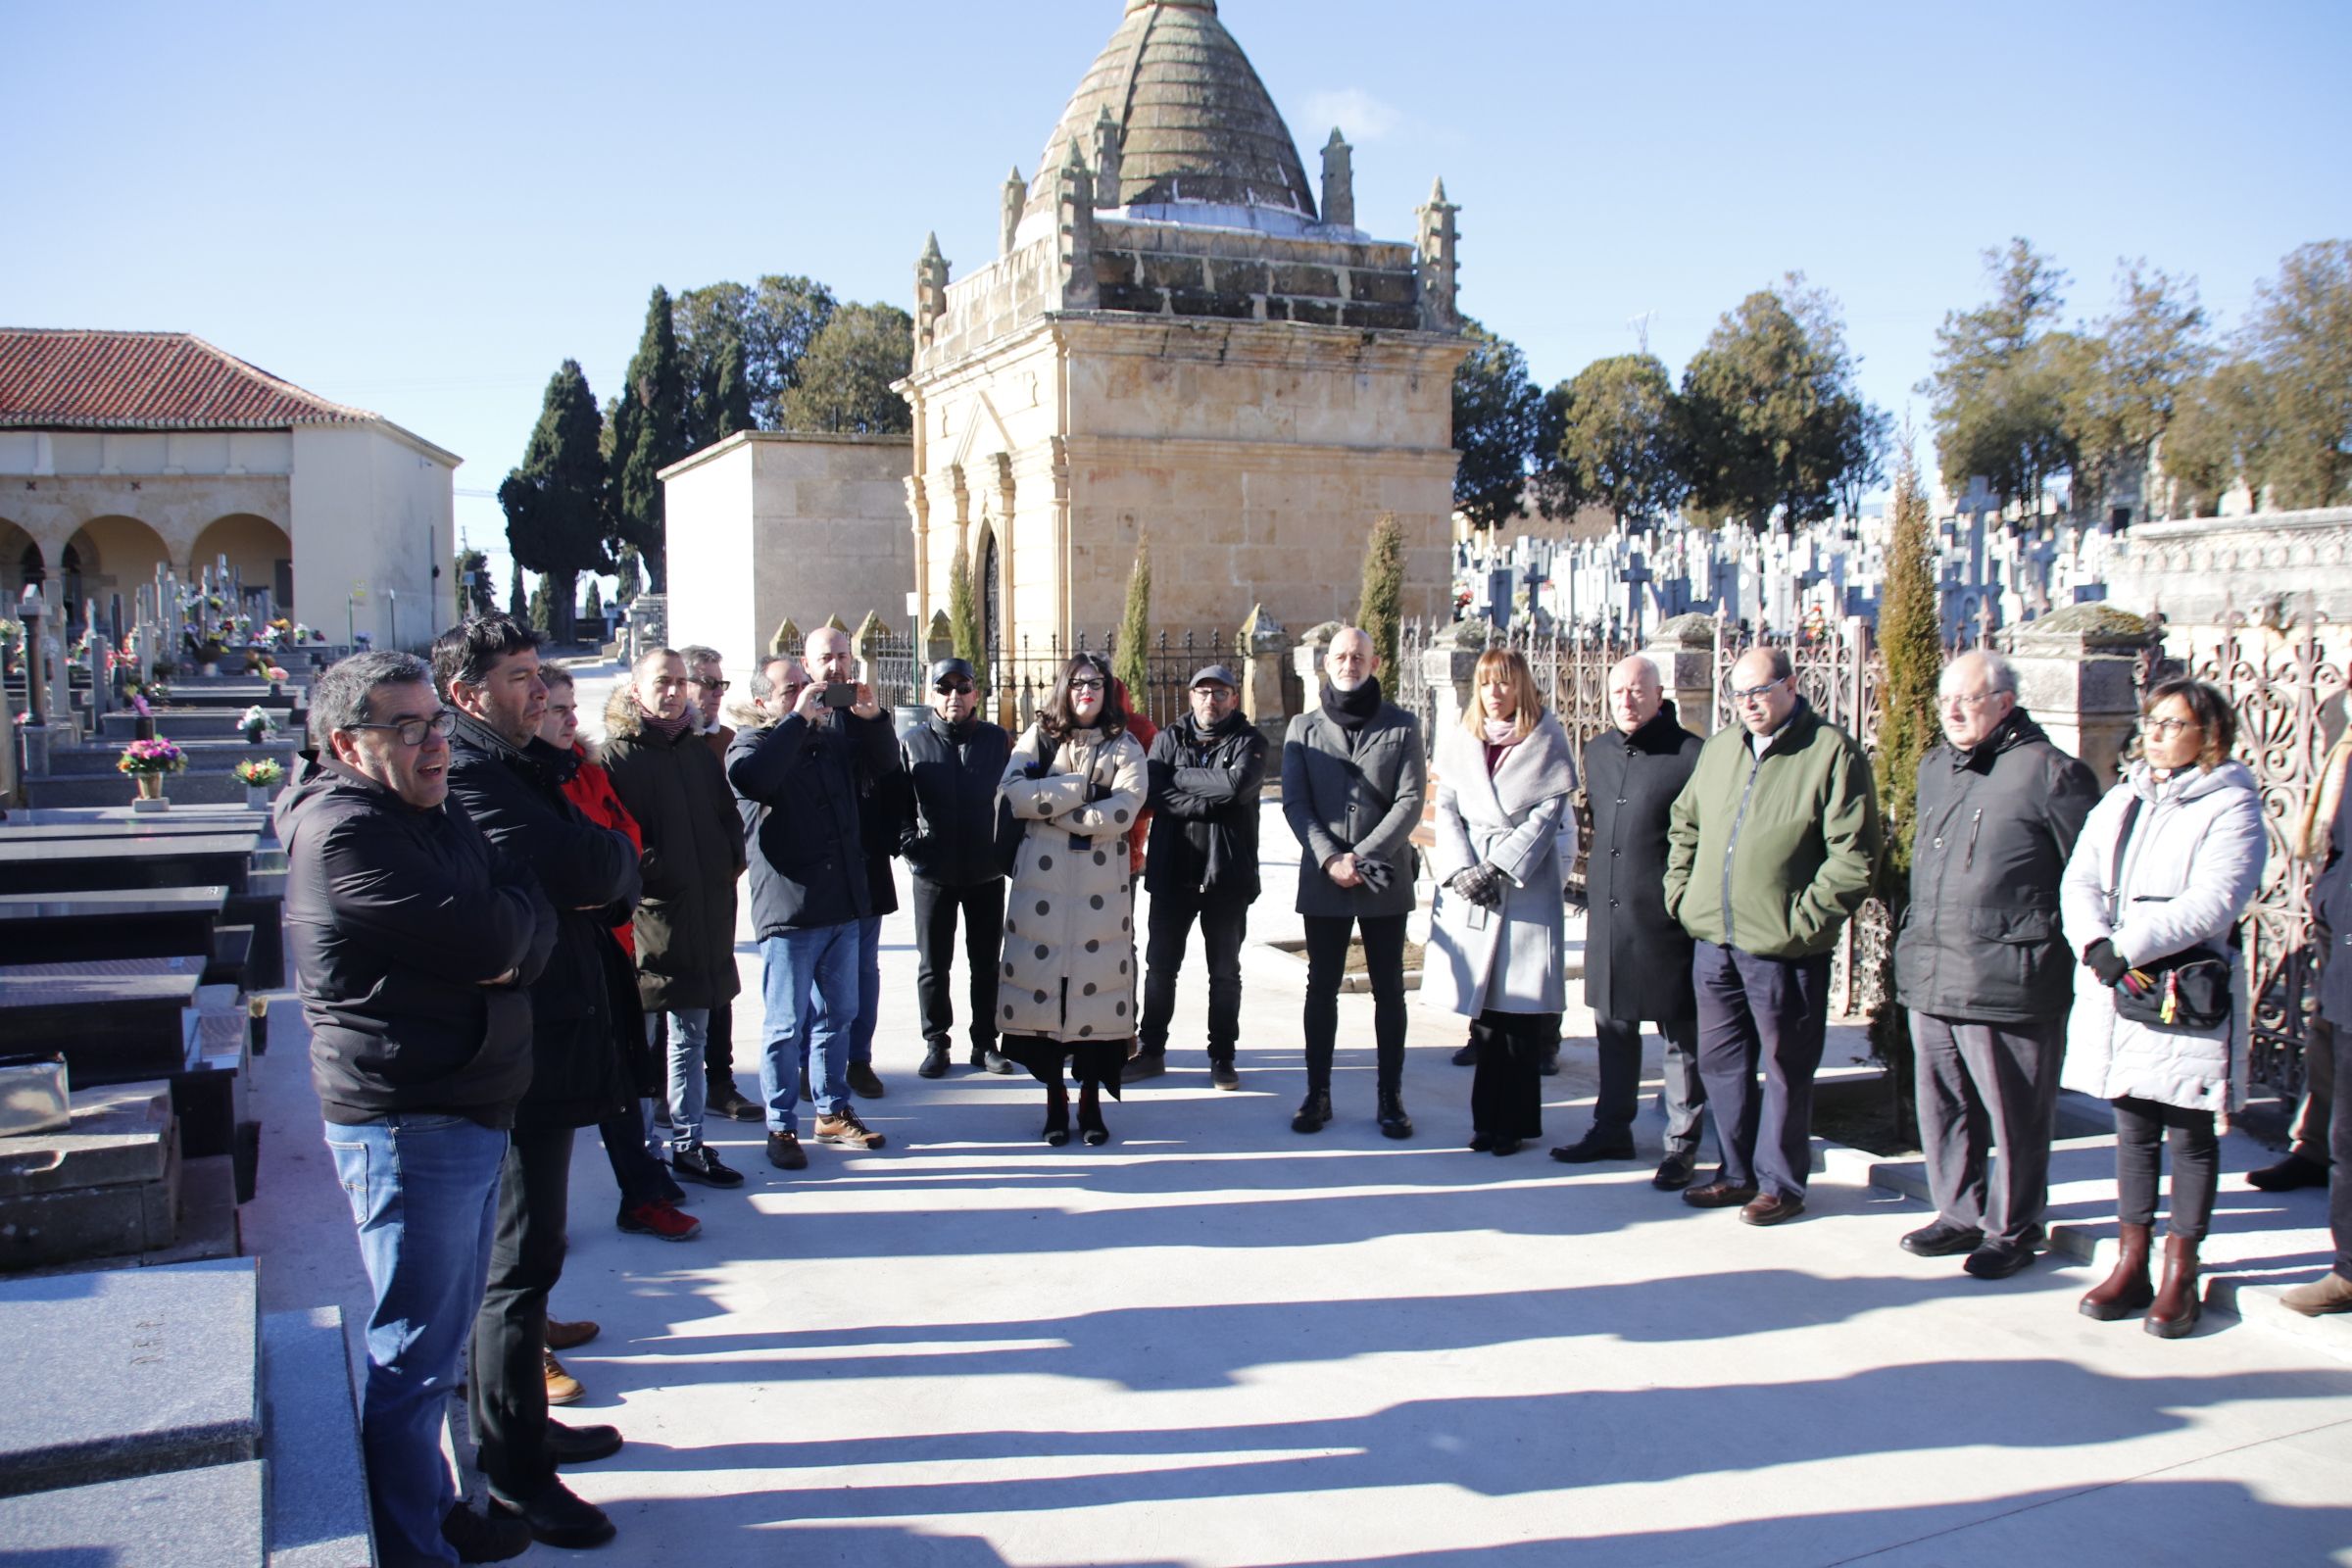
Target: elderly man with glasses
415,942
1771,848
1982,968
952,760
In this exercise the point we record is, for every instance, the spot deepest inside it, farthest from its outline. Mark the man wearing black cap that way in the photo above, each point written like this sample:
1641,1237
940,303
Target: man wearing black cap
953,761
1207,771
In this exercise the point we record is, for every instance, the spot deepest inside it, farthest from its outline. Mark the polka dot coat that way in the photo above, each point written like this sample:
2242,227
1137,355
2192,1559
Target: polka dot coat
1069,970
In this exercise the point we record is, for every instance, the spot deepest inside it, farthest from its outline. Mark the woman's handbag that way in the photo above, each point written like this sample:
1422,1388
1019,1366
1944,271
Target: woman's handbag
2189,991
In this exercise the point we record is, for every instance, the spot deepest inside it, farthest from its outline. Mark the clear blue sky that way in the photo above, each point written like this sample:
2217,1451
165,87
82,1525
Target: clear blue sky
423,209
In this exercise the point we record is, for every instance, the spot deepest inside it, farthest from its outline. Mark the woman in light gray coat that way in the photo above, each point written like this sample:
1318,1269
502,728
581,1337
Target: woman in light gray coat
2168,861
1497,932
1066,993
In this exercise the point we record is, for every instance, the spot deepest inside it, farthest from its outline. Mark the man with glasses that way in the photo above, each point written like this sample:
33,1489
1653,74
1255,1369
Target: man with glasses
414,942
1982,966
707,687
1208,771
954,760
798,786
832,659
511,782
1770,848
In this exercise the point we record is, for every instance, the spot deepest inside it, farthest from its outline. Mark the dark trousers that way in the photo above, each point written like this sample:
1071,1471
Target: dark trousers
1772,1013
640,1177
1327,963
718,1051
2140,1130
2312,1136
1507,1090
1619,1042
2339,1144
508,1389
1982,1085
936,907
1224,921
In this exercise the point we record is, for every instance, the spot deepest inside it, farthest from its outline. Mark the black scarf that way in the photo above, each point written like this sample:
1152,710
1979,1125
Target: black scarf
1351,711
1200,736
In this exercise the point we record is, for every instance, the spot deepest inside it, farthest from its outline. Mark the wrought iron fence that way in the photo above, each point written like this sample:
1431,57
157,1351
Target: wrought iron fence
1021,679
2283,687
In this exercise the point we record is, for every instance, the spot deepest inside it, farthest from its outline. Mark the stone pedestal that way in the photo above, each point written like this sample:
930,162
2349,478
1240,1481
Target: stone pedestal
1307,659
1448,664
2075,674
1683,651
1264,646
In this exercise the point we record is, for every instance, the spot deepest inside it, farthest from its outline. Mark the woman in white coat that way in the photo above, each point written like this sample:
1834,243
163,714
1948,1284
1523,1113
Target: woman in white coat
2167,863
1497,939
1066,992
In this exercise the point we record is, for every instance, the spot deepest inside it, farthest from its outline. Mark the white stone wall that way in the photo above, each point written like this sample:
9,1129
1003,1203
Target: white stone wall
373,510
767,526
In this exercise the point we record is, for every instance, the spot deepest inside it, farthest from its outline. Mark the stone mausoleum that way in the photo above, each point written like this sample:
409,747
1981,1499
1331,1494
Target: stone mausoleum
1181,337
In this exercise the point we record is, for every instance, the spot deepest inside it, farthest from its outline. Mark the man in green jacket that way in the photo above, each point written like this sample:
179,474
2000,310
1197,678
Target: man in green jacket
1768,850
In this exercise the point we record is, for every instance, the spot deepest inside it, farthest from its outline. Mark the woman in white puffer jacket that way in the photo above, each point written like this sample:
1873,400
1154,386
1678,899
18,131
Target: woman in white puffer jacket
2191,863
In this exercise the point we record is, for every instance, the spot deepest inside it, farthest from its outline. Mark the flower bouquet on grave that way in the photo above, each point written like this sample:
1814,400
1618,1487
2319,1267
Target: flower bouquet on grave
260,775
257,725
147,762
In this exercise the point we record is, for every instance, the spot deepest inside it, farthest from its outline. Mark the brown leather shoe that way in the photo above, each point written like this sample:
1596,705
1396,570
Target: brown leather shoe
1771,1208
562,1335
2329,1293
561,1387
1717,1194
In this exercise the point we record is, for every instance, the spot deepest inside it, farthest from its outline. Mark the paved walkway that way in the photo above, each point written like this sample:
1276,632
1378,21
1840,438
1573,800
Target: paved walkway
1217,1342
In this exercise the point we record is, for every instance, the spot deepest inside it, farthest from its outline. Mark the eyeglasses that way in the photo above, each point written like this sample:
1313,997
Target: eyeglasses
961,688
2164,730
708,685
1086,684
411,731
1757,694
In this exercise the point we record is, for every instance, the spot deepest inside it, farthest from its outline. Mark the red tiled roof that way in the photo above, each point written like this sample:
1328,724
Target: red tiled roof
73,379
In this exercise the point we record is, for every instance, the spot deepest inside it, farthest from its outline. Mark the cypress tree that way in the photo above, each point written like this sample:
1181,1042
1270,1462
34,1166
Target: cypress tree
1129,661
516,605
557,504
649,434
964,616
1911,638
1380,611
594,611
540,611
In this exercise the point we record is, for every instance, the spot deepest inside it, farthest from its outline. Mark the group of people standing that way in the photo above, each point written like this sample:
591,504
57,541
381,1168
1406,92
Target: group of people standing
558,951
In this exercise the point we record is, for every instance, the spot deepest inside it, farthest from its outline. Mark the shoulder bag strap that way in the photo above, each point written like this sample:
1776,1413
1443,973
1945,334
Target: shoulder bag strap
2123,839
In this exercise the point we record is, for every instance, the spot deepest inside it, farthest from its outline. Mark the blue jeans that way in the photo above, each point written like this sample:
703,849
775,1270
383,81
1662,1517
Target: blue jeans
424,1192
809,986
689,1033
869,988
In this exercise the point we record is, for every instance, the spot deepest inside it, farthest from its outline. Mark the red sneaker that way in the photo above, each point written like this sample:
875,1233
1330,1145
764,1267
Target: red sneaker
658,1220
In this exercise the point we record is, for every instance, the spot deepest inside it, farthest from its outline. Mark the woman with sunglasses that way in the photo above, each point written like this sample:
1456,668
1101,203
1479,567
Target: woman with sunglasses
2166,866
1066,991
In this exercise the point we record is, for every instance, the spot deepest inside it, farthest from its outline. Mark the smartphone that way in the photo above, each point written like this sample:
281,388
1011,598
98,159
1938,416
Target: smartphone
841,694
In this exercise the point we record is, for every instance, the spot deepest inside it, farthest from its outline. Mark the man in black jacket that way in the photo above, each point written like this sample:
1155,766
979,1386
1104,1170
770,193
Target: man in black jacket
1207,771
1636,955
511,782
1982,966
796,785
953,761
414,941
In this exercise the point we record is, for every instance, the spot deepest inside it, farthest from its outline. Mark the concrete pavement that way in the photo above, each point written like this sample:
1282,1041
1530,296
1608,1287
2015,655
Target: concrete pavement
1216,1341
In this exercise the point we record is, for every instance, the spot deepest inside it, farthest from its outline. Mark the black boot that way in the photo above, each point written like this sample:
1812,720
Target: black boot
1089,1117
1057,1112
1313,1111
1394,1122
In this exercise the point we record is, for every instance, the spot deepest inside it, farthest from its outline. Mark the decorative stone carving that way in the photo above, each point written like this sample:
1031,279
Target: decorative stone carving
1074,222
930,291
1263,643
1438,246
1109,142
786,642
1016,196
1339,181
1306,657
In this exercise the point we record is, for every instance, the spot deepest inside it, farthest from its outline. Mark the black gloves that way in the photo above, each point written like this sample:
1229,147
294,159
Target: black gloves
2104,961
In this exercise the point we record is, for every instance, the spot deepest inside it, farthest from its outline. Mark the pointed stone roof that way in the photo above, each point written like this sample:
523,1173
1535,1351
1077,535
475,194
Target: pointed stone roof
1199,125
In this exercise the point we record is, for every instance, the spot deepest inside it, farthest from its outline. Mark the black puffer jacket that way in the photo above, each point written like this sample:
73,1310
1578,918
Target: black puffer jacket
799,789
1205,785
584,1070
397,919
1636,955
685,925
1996,823
949,829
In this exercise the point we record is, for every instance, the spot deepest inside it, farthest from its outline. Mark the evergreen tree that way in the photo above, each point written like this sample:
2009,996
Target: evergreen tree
1497,413
516,605
557,504
846,374
541,610
2300,332
1380,611
1998,391
474,585
1617,441
1911,640
1130,663
594,611
964,616
649,434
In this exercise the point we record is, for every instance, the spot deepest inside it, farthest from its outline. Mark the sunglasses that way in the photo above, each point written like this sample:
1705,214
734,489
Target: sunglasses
961,688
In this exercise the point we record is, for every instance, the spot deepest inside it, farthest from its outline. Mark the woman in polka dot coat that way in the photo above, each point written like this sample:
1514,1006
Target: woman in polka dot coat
1066,992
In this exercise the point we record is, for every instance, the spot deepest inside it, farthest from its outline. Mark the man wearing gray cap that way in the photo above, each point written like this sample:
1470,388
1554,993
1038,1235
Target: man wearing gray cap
1207,771
954,760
